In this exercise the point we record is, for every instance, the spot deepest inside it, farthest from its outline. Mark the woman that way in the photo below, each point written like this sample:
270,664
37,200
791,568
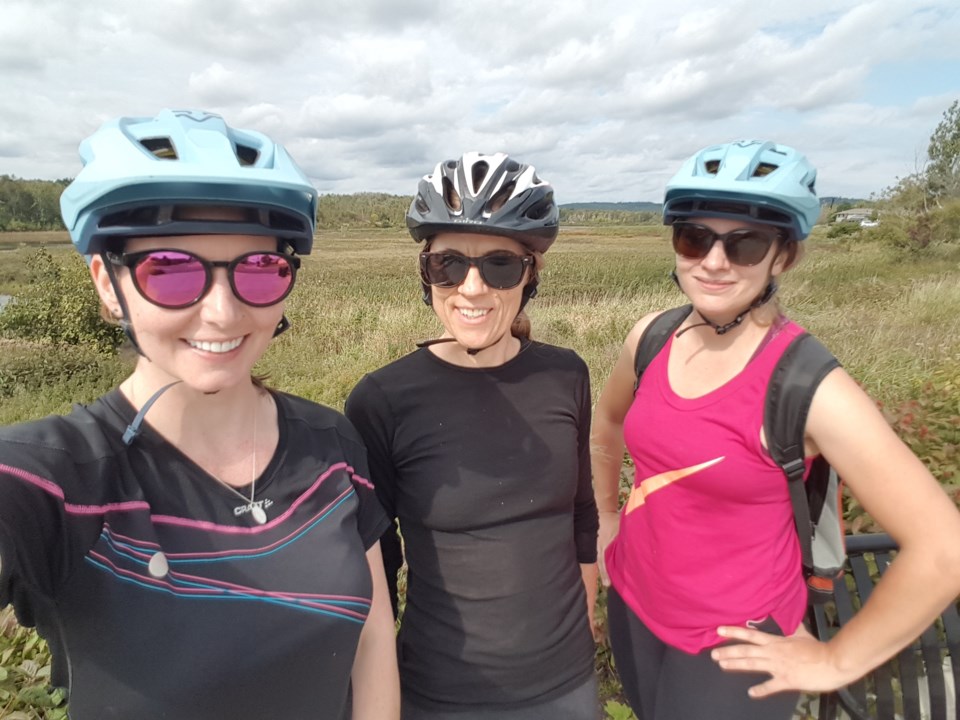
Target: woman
192,544
479,446
707,596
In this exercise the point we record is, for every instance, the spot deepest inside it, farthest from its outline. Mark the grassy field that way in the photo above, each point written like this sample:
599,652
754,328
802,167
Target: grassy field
892,318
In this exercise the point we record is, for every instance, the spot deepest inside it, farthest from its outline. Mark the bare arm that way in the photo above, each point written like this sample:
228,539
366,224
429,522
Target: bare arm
902,495
376,684
606,441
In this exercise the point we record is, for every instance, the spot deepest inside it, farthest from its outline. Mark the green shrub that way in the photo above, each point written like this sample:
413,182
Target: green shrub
25,675
929,424
891,232
59,305
842,229
27,367
946,221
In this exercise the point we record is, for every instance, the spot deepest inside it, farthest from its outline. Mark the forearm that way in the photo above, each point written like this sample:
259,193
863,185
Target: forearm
606,454
374,679
913,591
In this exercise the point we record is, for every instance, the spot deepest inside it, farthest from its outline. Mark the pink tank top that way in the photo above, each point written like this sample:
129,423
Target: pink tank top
707,537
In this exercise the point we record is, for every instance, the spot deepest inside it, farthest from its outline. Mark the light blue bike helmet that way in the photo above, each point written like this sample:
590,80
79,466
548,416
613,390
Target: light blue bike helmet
750,180
139,171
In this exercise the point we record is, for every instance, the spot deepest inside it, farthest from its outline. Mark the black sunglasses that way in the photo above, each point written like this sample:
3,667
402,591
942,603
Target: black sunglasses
500,271
743,246
176,279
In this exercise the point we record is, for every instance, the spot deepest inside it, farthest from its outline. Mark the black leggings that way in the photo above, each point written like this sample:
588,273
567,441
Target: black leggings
664,683
579,704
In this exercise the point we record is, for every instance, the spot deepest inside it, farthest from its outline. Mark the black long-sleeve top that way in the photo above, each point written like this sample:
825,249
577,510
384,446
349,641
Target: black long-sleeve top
488,472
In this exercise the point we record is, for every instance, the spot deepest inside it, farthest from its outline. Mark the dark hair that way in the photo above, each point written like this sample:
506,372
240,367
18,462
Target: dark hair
521,327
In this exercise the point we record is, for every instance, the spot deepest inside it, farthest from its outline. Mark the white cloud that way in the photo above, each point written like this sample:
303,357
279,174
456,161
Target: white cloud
215,85
605,99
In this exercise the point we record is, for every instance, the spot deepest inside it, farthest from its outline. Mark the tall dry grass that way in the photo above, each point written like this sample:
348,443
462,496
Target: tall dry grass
892,318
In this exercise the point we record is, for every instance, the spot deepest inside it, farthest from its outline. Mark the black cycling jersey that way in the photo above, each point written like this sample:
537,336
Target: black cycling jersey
488,472
159,593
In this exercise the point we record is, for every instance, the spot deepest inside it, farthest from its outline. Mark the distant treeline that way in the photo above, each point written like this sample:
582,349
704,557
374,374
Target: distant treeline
35,205
578,216
362,210
30,204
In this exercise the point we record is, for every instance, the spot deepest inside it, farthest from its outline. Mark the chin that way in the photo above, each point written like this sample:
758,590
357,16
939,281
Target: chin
214,384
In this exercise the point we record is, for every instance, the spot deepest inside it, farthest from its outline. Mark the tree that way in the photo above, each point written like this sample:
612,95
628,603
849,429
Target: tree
943,171
925,206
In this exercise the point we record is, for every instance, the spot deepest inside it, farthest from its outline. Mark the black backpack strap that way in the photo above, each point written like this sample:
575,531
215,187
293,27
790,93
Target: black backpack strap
655,336
795,379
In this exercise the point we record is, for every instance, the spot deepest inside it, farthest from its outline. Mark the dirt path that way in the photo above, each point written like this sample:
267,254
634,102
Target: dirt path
41,237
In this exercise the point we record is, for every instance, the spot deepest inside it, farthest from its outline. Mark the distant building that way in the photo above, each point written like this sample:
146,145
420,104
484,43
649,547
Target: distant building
855,215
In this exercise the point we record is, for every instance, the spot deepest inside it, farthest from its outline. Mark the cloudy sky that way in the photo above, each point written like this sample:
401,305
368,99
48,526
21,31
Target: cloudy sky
605,101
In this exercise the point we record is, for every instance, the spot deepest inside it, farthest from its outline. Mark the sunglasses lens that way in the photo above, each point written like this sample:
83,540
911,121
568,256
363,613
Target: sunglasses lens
692,241
747,247
262,279
170,279
502,271
443,270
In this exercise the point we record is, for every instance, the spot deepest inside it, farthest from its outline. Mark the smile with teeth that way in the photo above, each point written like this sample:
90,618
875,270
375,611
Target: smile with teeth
215,347
473,312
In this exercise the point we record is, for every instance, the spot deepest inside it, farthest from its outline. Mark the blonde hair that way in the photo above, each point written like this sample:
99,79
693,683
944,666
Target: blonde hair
767,314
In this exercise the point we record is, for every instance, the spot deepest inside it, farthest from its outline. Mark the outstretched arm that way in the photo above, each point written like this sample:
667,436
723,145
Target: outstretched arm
376,684
901,494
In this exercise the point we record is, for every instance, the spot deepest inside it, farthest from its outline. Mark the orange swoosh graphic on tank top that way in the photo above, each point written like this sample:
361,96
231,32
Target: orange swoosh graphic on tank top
649,486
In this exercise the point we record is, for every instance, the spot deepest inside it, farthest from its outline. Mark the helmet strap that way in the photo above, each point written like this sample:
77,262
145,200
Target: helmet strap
282,326
769,291
123,320
470,351
529,293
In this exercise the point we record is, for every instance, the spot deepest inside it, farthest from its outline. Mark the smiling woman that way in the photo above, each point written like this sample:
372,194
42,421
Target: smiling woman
703,561
192,501
478,447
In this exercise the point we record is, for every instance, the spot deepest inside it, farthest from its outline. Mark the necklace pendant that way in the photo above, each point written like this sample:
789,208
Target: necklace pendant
158,566
259,514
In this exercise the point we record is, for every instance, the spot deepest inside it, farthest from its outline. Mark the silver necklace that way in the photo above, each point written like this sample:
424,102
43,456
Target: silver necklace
255,509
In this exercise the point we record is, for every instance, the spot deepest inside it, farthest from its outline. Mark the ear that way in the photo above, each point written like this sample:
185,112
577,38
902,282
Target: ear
101,280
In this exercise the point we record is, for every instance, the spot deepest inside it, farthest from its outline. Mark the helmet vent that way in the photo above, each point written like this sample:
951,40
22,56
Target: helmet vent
501,198
712,166
247,155
137,217
478,174
161,148
284,221
764,169
541,209
450,196
513,166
